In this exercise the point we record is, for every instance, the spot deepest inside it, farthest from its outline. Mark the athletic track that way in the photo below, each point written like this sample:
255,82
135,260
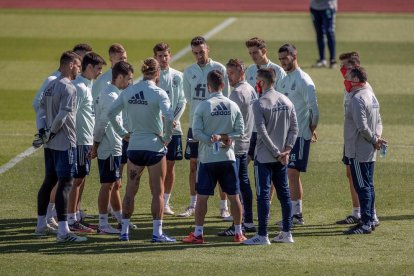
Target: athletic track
381,6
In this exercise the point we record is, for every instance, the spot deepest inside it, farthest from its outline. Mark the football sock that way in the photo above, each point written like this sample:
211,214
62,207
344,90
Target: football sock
157,227
166,199
103,219
71,218
198,230
223,204
41,222
125,226
238,228
50,209
193,201
63,228
118,216
356,212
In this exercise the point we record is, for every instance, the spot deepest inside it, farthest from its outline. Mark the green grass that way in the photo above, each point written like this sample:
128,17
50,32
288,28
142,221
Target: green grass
31,42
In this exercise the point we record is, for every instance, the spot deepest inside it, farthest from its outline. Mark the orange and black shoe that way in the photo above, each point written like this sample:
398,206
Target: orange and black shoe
239,238
194,239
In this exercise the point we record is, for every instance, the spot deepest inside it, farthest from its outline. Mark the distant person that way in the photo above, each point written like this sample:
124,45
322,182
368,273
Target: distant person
300,89
277,128
150,124
323,14
362,138
171,81
57,114
217,121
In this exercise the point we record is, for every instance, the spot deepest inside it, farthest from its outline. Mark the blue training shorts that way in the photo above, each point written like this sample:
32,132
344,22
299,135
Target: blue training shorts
225,173
299,155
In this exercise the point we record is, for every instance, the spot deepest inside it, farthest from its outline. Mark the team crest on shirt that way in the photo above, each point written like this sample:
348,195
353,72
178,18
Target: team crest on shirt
48,92
293,87
221,109
175,83
194,77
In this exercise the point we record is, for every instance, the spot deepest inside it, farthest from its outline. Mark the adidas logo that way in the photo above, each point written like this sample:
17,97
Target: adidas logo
194,77
221,109
138,98
293,86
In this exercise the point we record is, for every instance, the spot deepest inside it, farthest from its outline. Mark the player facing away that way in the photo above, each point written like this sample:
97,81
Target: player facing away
171,81
243,95
56,114
92,64
195,90
362,138
217,121
107,146
146,106
300,89
277,128
349,61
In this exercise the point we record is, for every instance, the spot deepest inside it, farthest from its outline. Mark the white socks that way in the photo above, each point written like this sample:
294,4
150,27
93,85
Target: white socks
118,215
157,227
50,209
71,218
193,201
296,207
223,204
103,219
238,229
166,199
41,222
198,230
356,212
63,228
125,226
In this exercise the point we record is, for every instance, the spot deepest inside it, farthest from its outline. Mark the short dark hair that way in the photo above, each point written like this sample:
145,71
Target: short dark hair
289,48
121,68
92,58
236,63
198,40
116,48
215,78
268,74
349,55
256,42
161,47
150,66
360,73
68,57
82,47
354,61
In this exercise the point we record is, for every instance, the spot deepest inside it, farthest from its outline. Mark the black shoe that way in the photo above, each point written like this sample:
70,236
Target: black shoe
349,220
228,232
247,229
359,229
332,64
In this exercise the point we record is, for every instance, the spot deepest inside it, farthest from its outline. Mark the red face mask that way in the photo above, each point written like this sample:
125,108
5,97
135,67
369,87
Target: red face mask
259,89
348,85
343,71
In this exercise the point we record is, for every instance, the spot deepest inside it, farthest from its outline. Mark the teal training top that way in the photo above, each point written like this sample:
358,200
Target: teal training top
146,106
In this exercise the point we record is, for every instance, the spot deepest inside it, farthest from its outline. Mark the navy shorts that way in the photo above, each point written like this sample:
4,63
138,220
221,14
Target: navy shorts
109,171
299,155
225,173
83,163
124,157
191,148
60,163
175,149
252,146
145,157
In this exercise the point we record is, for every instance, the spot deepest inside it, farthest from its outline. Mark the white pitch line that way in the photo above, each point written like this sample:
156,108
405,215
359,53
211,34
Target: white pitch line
176,57
17,159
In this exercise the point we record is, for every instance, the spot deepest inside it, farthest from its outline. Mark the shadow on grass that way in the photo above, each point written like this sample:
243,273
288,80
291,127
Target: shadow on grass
399,217
16,236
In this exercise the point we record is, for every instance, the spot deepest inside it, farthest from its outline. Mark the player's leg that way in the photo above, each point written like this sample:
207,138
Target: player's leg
329,30
263,178
279,180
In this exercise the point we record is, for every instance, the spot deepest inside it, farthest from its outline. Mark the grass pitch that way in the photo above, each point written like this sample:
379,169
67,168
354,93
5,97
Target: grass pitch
31,43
